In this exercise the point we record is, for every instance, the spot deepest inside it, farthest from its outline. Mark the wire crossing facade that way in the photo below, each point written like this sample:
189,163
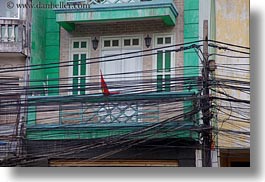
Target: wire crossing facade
151,94
149,55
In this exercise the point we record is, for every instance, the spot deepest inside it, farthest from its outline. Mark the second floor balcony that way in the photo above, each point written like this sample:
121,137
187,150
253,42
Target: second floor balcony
13,36
71,12
95,116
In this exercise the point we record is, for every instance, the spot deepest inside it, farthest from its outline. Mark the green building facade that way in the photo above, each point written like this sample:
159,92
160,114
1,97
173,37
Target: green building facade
52,28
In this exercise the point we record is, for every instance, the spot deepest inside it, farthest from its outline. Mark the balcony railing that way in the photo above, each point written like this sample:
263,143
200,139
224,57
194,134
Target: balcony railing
98,109
108,113
97,116
9,33
13,36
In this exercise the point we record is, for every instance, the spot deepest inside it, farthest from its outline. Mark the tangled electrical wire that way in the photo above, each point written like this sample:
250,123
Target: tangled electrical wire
148,113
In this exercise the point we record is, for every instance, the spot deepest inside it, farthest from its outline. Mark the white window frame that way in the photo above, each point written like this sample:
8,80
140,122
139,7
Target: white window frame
121,48
18,10
173,54
78,51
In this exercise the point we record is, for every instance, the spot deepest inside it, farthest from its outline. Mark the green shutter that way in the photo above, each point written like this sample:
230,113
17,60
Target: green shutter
159,69
83,72
167,61
83,64
75,86
75,73
167,69
83,85
75,65
167,83
159,83
159,61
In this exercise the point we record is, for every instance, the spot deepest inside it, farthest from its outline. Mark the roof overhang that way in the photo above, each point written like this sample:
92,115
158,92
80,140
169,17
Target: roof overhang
100,13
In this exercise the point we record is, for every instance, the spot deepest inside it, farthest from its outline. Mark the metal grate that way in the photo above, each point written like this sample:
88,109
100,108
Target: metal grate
108,112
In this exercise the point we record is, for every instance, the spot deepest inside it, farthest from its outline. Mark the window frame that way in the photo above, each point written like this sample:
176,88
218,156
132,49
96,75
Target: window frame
164,73
122,49
131,46
78,51
121,39
111,39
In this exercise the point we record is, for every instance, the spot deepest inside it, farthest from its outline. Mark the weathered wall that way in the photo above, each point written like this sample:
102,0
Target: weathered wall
9,60
232,26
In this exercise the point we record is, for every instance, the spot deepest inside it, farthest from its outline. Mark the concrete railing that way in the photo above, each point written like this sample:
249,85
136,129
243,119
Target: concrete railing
9,31
13,36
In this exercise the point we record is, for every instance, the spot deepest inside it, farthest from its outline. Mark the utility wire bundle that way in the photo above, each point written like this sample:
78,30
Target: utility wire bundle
227,109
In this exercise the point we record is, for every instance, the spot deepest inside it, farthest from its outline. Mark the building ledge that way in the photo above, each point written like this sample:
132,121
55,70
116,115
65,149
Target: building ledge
100,13
97,131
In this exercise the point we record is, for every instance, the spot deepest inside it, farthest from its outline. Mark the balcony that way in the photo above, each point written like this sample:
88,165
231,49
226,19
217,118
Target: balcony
13,36
152,114
76,11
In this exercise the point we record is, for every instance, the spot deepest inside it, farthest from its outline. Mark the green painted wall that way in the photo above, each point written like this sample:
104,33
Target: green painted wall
38,45
45,48
191,33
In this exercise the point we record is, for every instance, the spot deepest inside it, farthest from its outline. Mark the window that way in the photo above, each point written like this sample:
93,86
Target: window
79,69
8,9
168,40
160,41
127,42
115,43
121,43
163,40
76,45
111,43
83,44
136,42
118,46
164,63
107,43
131,42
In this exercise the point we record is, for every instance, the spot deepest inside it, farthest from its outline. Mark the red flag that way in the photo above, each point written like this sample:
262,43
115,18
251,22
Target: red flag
104,86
